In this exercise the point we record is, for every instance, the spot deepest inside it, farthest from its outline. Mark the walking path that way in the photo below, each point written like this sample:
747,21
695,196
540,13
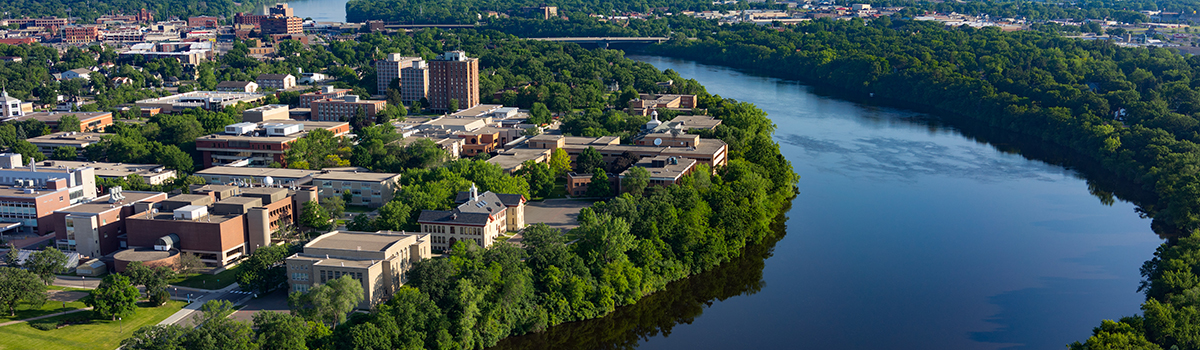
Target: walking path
182,315
44,316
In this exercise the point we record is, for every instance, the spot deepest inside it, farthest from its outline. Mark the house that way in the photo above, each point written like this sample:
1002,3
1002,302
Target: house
78,73
237,86
276,81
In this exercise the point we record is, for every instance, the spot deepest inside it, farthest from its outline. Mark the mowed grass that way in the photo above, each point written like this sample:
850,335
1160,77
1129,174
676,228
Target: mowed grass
100,334
51,306
206,281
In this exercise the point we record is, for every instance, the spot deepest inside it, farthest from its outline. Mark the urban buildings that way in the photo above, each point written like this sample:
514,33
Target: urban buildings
258,144
218,223
237,86
96,228
88,121
203,22
186,53
343,109
279,24
414,82
210,100
480,217
365,188
28,195
664,170
13,107
647,103
378,260
390,68
152,174
276,81
453,77
77,140
265,113
80,34
326,92
705,151
229,175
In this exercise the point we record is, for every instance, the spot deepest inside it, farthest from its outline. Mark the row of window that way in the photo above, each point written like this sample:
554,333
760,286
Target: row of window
330,275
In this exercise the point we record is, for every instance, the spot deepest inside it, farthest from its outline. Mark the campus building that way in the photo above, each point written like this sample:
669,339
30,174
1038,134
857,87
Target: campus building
29,195
11,107
478,217
259,144
152,174
96,228
345,108
276,81
365,188
209,100
378,260
218,223
88,121
453,76
390,68
279,24
326,92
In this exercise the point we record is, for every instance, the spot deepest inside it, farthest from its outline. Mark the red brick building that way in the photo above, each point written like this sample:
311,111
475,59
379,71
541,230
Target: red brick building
80,34
203,21
259,144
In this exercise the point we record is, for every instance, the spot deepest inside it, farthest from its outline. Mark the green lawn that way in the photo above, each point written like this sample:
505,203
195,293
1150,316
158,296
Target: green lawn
100,334
358,209
51,306
206,281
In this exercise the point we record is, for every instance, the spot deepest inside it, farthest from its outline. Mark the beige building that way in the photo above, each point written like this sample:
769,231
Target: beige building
265,113
276,81
390,68
366,188
153,174
237,86
647,103
379,260
480,217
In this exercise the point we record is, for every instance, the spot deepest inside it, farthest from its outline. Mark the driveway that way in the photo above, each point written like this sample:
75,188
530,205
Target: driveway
276,301
559,213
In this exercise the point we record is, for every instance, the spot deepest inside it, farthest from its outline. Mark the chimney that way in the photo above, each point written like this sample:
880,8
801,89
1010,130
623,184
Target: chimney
474,193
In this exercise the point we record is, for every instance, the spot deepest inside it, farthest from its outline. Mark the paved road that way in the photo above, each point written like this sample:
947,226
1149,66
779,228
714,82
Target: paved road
276,301
558,213
233,293
77,282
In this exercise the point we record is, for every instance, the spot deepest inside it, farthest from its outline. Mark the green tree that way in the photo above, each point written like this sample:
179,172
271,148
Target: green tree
46,263
539,114
280,331
189,263
589,160
335,206
157,337
218,332
18,286
28,151
264,270
328,303
636,181
453,105
599,187
114,297
153,278
12,256
64,153
68,122
314,216
539,176
560,162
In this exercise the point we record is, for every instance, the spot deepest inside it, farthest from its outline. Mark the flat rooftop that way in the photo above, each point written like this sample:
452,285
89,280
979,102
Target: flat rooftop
52,117
357,240
107,169
219,95
355,176
79,139
476,111
334,261
308,126
257,172
101,204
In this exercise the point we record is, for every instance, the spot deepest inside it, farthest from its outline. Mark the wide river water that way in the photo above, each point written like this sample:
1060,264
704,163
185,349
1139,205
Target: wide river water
907,234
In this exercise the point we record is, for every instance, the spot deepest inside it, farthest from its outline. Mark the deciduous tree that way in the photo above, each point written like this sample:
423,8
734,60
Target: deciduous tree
115,297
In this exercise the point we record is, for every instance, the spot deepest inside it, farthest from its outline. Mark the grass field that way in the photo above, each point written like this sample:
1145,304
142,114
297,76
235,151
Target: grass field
206,281
51,306
100,334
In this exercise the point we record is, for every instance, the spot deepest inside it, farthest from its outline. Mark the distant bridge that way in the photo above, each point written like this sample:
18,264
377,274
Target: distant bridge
421,26
604,41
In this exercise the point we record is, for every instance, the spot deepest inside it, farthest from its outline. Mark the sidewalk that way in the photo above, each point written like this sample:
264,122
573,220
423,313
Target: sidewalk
182,314
77,282
44,316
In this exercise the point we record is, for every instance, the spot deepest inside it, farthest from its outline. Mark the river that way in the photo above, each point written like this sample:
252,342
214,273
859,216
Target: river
906,234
